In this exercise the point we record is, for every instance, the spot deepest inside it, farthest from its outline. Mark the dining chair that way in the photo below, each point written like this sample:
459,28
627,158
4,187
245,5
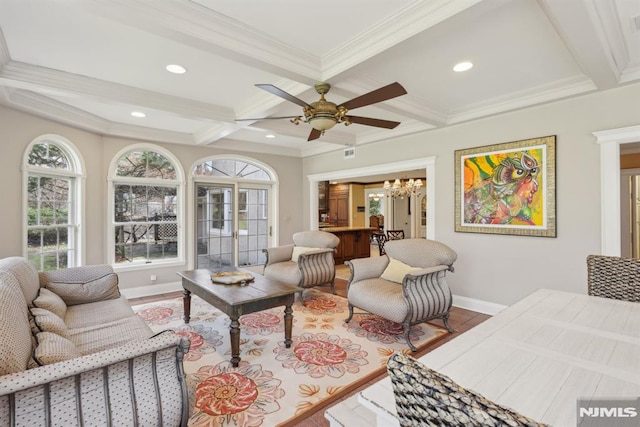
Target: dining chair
395,234
613,277
381,239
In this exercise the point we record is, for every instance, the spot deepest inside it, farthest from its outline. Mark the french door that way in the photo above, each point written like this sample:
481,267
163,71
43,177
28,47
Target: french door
232,224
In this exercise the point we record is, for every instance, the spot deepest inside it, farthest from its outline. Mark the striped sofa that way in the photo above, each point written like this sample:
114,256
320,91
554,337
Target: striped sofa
73,353
407,285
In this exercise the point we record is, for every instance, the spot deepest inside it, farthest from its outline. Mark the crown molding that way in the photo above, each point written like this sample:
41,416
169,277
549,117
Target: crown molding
236,145
148,134
42,106
604,17
47,108
202,28
5,58
407,22
570,86
406,128
47,80
630,73
263,102
406,105
316,149
209,134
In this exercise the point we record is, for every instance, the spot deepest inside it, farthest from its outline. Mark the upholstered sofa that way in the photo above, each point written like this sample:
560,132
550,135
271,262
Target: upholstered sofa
73,352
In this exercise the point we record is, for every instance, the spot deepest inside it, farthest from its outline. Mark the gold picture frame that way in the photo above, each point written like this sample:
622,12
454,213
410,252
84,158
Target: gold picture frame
507,188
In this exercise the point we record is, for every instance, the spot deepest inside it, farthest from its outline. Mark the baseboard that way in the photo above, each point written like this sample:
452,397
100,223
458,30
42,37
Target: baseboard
145,291
484,307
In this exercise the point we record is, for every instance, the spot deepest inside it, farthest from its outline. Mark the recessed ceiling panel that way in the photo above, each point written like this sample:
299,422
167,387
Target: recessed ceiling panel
313,27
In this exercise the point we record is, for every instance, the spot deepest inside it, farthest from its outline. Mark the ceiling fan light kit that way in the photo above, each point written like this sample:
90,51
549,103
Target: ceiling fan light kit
322,115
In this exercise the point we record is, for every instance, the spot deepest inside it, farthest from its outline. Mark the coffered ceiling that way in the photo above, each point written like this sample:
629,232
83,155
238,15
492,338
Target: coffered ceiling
91,63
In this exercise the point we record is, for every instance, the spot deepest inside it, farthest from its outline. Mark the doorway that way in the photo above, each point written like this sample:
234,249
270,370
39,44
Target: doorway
232,224
426,163
630,213
610,218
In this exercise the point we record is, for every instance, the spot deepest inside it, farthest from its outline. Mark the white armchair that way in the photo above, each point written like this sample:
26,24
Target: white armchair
407,285
308,262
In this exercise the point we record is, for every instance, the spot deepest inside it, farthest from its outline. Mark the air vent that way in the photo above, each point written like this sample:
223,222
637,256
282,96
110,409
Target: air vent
349,153
635,23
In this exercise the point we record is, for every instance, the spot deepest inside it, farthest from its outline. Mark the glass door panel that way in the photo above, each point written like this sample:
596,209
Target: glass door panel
253,230
231,225
214,226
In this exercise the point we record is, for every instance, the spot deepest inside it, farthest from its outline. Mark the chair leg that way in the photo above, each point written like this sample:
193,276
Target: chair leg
348,319
407,328
333,286
445,319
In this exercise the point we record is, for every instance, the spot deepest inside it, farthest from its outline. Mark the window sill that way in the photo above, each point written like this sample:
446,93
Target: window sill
148,266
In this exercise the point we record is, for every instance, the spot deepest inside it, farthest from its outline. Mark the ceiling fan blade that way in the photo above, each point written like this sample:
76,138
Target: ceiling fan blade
387,92
268,118
387,124
315,134
282,94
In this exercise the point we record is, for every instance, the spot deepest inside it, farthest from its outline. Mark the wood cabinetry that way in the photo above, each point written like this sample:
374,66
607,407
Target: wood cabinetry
323,195
339,204
354,243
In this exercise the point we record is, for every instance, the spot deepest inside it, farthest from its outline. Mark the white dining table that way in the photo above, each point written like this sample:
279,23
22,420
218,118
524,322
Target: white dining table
538,357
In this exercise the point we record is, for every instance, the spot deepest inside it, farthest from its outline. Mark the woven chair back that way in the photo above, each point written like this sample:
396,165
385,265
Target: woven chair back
614,277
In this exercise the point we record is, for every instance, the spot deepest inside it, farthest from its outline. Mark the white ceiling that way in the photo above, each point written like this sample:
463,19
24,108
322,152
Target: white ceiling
90,63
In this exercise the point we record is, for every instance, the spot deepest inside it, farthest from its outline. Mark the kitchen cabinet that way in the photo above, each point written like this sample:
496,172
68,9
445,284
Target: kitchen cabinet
354,243
339,204
323,195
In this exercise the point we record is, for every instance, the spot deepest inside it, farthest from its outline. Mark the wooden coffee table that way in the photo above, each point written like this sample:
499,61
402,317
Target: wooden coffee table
236,300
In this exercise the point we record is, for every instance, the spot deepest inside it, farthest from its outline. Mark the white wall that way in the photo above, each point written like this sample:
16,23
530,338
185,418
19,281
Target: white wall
500,268
19,129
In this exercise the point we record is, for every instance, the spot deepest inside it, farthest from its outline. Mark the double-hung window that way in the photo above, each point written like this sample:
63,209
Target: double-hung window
53,180
146,190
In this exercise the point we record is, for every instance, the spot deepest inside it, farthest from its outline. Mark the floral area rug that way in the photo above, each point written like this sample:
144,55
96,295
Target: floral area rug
274,385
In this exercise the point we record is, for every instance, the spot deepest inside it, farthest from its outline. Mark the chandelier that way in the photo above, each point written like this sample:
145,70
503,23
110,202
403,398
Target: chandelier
401,189
376,196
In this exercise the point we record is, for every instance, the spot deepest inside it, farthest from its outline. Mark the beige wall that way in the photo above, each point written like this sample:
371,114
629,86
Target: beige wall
19,129
499,268
356,192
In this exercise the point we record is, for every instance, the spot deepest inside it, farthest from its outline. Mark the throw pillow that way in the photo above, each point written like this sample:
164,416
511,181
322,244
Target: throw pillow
46,321
299,250
426,397
53,348
100,289
50,301
396,270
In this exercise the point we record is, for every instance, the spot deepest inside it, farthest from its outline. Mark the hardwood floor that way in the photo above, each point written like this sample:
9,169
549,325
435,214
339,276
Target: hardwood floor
460,320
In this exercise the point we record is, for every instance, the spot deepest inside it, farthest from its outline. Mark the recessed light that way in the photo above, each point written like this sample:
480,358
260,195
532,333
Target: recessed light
139,114
176,69
462,66
270,136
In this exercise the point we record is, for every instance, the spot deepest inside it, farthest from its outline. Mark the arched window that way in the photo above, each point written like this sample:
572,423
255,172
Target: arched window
234,208
146,198
53,174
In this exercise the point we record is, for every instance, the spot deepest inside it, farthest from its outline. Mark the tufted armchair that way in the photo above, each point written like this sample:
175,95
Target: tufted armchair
306,263
407,285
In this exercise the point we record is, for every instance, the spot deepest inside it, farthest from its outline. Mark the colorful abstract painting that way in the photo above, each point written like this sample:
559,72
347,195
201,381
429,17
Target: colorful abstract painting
507,188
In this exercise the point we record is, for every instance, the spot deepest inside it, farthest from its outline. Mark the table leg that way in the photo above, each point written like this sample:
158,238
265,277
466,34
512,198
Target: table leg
234,332
288,325
186,304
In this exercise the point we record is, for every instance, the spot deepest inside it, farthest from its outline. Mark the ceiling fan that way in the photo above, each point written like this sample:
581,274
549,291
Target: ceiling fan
323,115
